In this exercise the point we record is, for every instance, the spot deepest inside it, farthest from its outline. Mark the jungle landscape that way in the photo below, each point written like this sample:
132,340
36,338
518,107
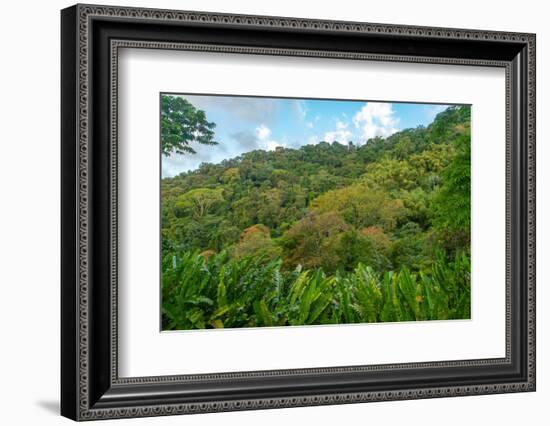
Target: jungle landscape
342,228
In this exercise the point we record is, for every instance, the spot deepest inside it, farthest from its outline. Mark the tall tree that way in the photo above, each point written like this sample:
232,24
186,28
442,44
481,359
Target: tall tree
199,201
182,124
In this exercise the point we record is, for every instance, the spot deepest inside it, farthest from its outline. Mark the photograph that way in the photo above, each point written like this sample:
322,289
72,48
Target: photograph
279,211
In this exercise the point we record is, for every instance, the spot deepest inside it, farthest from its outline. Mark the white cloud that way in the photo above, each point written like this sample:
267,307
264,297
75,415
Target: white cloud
313,140
271,145
309,124
263,134
341,134
178,163
376,119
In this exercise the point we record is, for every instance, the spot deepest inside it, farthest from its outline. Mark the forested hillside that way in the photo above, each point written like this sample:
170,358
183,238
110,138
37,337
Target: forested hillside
327,233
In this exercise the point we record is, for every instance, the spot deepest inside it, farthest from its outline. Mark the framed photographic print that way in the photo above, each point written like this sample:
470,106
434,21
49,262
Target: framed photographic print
263,212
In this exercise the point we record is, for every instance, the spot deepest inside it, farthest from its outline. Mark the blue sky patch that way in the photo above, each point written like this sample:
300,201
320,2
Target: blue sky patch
247,123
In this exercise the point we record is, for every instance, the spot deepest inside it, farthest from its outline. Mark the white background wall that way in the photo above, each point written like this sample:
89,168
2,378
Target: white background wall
29,212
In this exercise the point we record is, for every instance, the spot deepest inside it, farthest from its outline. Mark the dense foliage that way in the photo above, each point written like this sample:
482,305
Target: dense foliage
328,233
182,124
225,292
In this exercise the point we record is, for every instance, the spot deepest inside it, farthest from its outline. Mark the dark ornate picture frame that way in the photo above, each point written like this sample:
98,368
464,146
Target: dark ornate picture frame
90,38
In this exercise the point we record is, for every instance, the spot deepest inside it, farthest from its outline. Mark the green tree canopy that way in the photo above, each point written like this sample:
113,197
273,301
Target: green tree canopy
452,203
182,124
198,201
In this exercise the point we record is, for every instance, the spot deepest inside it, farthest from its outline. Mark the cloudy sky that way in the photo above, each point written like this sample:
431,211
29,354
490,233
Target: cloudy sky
247,123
